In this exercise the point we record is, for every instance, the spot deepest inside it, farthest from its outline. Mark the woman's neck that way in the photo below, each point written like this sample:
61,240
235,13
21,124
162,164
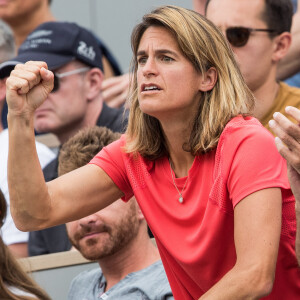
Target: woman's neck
176,136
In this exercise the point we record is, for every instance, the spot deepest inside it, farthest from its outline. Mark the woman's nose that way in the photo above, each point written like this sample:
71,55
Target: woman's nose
150,67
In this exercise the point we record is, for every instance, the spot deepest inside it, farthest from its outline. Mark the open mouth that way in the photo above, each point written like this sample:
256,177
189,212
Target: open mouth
150,87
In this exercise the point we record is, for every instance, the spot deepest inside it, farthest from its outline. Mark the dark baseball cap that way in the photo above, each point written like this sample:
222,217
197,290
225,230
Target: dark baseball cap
57,43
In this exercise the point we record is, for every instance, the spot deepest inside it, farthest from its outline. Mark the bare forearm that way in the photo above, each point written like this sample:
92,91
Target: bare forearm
240,284
27,188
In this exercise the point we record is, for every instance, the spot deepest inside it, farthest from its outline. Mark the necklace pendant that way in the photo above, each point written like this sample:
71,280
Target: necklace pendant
180,199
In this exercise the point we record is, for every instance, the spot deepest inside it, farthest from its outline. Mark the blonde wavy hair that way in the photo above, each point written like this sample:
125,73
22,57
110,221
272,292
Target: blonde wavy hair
203,44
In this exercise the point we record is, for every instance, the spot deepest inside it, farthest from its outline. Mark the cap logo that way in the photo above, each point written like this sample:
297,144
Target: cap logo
39,33
37,39
86,51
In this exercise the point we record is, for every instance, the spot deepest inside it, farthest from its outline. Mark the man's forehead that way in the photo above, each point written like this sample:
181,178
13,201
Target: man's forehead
69,66
235,12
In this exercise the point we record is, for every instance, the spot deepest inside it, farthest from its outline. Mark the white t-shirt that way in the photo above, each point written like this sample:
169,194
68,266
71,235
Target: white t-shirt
19,292
10,234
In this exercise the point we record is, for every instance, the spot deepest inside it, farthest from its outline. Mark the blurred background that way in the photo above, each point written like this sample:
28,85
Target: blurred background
112,20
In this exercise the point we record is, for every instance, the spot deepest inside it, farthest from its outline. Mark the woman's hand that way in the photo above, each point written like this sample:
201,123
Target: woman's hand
27,88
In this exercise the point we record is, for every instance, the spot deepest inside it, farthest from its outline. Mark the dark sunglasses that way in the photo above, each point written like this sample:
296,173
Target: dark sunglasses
58,76
239,36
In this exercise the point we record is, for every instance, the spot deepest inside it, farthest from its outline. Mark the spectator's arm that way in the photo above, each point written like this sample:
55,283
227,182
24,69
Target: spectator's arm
34,204
287,143
19,250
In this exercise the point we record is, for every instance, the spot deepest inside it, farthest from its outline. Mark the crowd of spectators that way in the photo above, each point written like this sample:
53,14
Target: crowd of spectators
201,141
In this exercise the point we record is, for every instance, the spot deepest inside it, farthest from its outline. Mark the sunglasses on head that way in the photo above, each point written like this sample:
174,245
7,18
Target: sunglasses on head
239,36
58,76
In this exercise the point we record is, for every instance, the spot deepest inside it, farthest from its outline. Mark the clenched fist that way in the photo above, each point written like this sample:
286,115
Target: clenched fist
27,88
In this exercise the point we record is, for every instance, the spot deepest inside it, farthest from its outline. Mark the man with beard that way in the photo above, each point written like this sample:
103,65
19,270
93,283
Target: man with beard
116,237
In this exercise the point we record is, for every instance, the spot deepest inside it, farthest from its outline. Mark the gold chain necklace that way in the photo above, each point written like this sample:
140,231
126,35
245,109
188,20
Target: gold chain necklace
180,199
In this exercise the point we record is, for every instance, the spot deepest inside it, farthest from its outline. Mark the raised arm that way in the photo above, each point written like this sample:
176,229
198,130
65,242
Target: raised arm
257,225
287,143
35,204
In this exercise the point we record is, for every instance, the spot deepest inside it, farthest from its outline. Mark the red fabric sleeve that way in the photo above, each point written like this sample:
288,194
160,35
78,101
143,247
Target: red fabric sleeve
255,164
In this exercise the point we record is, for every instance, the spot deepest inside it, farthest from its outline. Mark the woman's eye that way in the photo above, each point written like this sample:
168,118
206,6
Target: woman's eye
167,58
142,60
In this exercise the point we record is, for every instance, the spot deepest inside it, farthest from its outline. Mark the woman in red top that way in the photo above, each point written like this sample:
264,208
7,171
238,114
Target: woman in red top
207,176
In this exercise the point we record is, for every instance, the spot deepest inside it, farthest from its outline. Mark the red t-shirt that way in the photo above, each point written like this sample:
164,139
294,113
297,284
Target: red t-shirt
196,238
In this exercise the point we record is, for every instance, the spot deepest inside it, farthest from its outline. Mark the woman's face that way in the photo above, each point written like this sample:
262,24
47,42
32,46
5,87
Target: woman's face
168,84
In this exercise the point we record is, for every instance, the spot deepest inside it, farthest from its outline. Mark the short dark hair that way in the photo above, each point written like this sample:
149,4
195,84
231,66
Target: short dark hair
277,14
49,2
83,146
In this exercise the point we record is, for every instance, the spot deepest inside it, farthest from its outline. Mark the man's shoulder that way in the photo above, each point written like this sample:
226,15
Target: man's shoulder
289,93
149,283
153,275
88,276
85,285
155,268
115,119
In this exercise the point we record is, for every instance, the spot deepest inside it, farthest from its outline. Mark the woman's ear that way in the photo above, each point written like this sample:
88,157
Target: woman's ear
208,80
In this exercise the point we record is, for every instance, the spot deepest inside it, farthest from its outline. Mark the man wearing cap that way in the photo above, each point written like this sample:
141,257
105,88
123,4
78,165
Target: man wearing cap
259,34
74,56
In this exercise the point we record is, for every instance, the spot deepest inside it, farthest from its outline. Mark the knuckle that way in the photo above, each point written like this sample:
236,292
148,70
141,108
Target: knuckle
18,67
290,128
293,131
14,72
282,150
8,82
284,136
295,163
30,62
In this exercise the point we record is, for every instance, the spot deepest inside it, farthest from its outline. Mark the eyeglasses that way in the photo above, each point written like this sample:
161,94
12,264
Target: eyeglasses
239,36
58,76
